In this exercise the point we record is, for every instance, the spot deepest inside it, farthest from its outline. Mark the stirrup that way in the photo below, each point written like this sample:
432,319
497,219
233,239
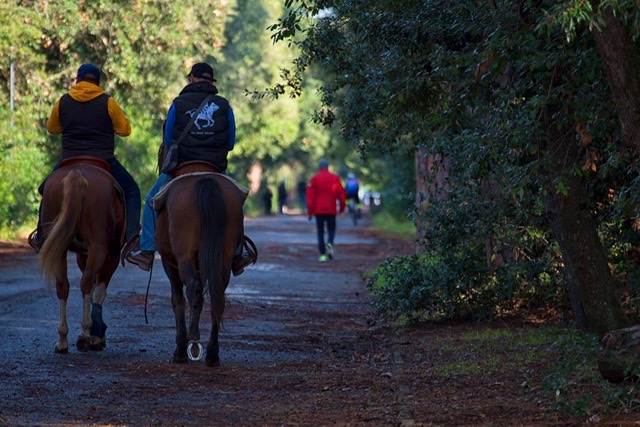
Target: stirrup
34,240
251,249
132,244
248,256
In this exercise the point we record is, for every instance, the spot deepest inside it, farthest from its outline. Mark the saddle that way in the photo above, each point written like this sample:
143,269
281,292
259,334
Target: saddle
84,160
194,168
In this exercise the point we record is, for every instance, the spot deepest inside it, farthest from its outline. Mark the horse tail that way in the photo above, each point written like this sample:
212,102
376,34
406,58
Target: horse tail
213,215
54,251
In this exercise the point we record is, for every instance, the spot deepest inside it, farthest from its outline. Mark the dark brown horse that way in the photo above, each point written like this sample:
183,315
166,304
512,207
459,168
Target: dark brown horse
199,227
83,212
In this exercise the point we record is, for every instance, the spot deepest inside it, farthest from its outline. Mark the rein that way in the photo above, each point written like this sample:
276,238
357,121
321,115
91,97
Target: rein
146,296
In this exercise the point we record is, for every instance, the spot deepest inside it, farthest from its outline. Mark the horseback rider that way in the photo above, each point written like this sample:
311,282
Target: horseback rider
88,119
210,142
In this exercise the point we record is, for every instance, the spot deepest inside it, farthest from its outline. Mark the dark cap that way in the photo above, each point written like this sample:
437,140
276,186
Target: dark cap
323,164
88,72
202,70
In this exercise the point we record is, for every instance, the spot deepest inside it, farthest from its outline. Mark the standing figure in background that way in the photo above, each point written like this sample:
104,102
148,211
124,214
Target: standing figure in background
324,193
302,195
282,196
267,200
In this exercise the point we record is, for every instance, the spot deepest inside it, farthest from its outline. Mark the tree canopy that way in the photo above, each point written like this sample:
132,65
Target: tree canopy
513,112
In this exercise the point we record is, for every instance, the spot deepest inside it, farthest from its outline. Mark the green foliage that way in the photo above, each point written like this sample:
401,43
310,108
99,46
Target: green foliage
459,286
472,82
145,50
21,166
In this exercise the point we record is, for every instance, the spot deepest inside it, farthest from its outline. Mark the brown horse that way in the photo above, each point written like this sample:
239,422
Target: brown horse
199,227
83,212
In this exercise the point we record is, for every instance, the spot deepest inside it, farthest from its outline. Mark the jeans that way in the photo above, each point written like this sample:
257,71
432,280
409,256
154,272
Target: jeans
147,241
330,220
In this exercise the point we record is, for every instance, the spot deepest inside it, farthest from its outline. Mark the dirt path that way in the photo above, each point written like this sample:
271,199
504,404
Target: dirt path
300,346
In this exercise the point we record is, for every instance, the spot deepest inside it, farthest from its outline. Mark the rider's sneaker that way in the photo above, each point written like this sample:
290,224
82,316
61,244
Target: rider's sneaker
143,259
330,250
323,258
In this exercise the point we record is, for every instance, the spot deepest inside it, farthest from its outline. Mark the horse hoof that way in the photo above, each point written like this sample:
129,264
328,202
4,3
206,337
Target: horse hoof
177,359
83,344
213,363
61,350
180,357
99,344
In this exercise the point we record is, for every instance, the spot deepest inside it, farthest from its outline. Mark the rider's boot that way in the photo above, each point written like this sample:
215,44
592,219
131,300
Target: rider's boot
143,259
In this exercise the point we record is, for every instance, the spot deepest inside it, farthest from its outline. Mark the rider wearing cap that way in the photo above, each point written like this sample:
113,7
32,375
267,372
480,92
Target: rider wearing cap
88,119
211,143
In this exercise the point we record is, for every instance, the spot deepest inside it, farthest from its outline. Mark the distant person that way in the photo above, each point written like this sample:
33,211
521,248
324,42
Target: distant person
267,200
324,192
302,195
282,196
352,187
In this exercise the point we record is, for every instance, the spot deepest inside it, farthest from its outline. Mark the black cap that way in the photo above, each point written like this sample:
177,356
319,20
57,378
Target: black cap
88,72
202,70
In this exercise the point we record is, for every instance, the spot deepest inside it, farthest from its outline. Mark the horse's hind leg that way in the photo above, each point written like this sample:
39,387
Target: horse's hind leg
62,291
89,267
178,305
193,289
98,339
213,348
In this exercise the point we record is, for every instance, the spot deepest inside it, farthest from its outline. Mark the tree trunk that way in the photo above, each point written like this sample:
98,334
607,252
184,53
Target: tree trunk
432,172
621,61
592,289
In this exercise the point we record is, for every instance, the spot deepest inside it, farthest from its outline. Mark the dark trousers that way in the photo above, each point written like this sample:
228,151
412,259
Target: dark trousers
131,196
330,221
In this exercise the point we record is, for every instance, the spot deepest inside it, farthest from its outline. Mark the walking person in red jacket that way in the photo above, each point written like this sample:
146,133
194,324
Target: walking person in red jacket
324,192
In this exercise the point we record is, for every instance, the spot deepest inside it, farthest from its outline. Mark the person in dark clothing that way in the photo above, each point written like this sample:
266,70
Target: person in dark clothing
210,139
88,120
282,196
302,195
267,200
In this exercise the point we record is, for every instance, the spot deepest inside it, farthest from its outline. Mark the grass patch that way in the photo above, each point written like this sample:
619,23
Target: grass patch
385,222
555,366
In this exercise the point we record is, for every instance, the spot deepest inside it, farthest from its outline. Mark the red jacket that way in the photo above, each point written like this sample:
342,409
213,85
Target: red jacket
323,191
